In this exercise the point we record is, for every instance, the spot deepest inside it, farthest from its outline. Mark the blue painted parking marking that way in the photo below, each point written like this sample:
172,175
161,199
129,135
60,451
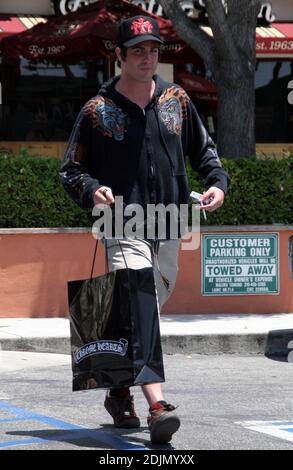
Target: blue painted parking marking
21,442
280,429
288,429
101,437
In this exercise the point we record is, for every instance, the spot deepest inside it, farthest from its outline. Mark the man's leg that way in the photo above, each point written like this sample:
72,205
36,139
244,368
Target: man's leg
165,262
162,421
164,259
139,254
166,268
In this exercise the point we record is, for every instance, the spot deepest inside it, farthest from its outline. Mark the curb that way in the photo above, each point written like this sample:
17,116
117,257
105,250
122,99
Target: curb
248,344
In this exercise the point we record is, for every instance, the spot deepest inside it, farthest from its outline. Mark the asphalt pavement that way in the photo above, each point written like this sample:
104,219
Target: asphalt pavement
229,375
225,402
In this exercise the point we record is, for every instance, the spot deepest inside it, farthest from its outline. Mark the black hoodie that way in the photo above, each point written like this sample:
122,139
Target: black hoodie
140,154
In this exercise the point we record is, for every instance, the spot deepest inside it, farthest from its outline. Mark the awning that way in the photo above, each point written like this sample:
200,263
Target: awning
13,24
89,33
274,41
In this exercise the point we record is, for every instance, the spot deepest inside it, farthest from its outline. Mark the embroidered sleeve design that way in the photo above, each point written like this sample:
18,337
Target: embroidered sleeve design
106,117
173,108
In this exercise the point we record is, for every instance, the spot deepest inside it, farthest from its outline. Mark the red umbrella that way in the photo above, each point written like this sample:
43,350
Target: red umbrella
197,86
87,34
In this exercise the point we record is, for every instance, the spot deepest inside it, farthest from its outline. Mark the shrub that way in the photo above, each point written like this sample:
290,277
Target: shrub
261,192
31,195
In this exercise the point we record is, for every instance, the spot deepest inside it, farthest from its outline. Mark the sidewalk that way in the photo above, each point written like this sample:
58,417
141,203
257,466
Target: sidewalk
183,334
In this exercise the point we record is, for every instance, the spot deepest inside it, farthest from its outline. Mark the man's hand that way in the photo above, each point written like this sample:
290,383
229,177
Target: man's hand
103,195
212,199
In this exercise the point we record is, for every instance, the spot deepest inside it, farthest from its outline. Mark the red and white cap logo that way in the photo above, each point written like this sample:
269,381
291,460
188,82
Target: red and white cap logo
141,26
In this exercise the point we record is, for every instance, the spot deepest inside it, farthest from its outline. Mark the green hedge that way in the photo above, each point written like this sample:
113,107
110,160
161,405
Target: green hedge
261,192
31,195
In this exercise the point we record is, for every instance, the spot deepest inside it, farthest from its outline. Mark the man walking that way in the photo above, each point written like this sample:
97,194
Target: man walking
131,140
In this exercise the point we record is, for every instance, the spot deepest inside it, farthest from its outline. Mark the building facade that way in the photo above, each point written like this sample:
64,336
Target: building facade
40,100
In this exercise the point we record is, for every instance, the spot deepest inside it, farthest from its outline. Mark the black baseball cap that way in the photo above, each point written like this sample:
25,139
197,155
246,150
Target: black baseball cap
137,29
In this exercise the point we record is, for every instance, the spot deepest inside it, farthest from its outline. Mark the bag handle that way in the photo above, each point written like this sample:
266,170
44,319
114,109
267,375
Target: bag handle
122,254
106,257
93,263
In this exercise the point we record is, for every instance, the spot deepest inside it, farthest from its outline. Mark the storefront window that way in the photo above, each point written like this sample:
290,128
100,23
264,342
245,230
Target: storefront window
41,100
273,113
198,82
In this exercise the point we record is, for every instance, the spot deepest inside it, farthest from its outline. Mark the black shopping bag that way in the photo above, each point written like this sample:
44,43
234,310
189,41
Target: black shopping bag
115,331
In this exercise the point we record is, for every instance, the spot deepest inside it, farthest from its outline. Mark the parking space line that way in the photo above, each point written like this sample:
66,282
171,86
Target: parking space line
102,437
8,420
280,429
20,442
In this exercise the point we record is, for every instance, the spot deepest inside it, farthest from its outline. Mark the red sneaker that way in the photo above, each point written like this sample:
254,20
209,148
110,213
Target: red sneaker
162,422
121,408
